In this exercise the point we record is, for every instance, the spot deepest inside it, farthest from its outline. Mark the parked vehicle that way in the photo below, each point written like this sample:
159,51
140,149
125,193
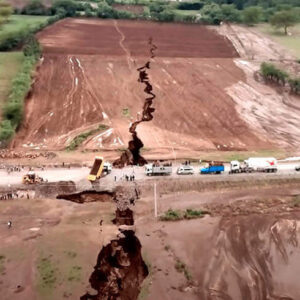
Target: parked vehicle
213,169
262,164
237,167
107,167
297,168
158,169
185,170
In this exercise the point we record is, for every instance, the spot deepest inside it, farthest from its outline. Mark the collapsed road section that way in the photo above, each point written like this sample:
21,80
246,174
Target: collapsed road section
132,155
120,269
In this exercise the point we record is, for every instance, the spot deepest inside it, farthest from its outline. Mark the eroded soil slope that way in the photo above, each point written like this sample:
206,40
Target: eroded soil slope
88,77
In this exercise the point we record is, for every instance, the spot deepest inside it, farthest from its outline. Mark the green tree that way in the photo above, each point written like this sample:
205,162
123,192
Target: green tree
211,14
230,13
35,7
65,7
252,15
284,19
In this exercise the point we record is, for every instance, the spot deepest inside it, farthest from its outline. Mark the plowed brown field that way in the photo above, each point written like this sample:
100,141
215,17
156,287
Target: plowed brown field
88,77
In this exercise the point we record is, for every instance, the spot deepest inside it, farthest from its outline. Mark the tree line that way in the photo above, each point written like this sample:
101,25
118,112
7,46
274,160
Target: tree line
280,13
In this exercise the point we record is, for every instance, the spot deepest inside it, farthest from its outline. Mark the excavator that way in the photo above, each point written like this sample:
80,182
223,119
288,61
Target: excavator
31,178
99,168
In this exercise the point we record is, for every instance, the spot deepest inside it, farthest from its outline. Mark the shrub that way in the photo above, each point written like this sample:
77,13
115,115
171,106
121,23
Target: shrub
13,108
64,7
295,85
273,74
193,214
171,215
35,7
79,139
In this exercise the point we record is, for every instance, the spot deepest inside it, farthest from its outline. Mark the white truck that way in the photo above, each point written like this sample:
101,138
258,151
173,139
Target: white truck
254,164
155,169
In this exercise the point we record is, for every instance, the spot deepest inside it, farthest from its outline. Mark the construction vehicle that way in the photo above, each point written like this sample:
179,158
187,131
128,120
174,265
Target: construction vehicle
213,168
158,169
99,168
31,178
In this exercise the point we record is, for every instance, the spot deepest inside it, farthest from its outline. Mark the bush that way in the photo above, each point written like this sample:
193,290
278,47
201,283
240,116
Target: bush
35,7
13,108
193,214
6,132
32,47
171,215
273,74
295,85
79,139
64,7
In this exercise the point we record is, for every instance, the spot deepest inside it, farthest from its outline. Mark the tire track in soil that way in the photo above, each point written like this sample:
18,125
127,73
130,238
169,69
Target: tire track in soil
127,52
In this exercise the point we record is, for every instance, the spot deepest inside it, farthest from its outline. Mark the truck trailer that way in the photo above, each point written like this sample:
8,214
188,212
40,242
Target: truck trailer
262,164
213,169
156,169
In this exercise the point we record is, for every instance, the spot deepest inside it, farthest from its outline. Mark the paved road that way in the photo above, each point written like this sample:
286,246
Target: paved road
80,174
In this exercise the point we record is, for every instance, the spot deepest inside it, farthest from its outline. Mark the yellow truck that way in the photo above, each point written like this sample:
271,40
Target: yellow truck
97,168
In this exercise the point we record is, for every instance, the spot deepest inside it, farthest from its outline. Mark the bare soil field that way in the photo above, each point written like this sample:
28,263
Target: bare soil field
88,77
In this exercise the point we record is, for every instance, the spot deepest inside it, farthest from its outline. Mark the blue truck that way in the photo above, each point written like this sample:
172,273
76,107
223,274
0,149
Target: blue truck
213,169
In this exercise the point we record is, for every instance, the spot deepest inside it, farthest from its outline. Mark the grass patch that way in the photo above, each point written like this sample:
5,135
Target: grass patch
19,22
2,261
182,268
71,254
74,273
126,112
296,201
291,42
79,139
47,274
10,65
177,215
193,214
145,288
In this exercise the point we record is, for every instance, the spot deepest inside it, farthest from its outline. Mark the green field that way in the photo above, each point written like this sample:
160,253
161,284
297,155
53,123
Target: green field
18,22
10,64
186,12
291,42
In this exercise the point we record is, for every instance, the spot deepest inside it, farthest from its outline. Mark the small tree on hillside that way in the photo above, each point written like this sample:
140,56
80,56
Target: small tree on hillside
284,19
252,15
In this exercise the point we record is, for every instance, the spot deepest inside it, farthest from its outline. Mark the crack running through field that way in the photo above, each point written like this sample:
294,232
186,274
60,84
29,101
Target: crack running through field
132,155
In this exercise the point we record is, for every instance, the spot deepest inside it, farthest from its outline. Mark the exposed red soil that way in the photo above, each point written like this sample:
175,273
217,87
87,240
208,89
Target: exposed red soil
88,77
